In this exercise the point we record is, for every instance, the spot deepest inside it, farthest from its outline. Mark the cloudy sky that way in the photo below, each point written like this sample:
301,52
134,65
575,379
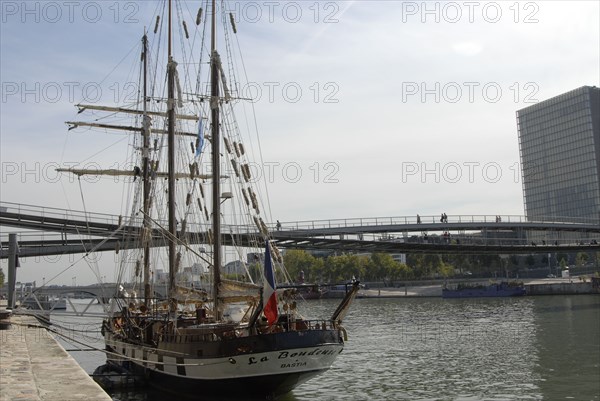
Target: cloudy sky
364,108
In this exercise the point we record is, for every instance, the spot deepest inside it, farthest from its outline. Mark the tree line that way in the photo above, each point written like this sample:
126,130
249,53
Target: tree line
382,267
373,267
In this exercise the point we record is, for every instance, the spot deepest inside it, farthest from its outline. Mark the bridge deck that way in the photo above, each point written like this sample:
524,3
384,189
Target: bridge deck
103,232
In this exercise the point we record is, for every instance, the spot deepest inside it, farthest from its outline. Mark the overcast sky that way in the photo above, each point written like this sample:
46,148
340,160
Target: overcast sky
366,108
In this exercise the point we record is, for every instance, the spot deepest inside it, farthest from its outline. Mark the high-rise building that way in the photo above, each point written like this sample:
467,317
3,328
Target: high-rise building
559,141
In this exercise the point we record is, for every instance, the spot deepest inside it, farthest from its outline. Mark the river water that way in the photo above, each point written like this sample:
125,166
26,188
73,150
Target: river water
528,348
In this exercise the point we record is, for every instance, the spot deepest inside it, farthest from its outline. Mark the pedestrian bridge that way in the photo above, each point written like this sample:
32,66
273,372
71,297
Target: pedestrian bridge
54,231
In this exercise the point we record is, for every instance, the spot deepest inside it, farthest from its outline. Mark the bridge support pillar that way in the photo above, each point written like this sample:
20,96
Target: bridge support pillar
12,269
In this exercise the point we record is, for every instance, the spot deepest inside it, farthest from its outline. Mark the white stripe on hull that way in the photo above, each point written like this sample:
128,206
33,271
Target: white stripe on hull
289,361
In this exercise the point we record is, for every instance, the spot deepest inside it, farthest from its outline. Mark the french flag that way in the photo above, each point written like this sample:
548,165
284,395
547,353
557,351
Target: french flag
269,294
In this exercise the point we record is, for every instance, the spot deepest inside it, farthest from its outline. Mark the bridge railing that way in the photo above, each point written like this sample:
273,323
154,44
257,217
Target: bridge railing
297,225
51,212
31,236
408,220
66,214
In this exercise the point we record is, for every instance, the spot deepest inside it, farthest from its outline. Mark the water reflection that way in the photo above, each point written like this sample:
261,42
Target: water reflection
434,349
568,344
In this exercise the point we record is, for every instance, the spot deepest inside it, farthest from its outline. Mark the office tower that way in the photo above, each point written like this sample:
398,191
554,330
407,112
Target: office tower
559,141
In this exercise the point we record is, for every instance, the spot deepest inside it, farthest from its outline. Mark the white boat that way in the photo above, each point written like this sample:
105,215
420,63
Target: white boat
234,336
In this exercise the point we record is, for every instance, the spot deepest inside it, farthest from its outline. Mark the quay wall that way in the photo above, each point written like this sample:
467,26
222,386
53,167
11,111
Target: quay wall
557,286
571,288
35,367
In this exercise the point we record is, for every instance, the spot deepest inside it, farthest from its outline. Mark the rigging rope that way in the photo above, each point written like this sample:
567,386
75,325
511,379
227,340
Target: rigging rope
111,236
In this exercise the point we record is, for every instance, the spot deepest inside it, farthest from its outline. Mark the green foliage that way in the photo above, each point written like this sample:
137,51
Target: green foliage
562,264
297,261
435,266
341,268
382,267
446,270
561,255
1,277
581,259
344,267
255,270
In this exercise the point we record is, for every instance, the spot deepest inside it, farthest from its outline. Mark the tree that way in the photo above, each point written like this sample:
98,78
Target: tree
357,266
385,268
381,265
343,267
395,272
417,263
297,261
561,255
1,277
563,264
581,259
446,270
432,264
406,272
460,262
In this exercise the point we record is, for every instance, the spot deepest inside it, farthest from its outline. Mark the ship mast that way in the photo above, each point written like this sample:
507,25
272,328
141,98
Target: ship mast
146,177
216,163
171,162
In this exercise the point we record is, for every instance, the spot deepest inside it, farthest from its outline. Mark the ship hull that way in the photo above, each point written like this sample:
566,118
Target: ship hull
247,388
260,366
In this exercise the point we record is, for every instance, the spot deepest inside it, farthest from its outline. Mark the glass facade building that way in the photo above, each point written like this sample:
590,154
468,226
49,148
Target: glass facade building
559,143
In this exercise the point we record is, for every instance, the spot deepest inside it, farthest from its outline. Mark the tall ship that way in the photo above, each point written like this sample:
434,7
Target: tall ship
193,205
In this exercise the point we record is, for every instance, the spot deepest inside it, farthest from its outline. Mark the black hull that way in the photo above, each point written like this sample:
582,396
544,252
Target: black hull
253,388
277,364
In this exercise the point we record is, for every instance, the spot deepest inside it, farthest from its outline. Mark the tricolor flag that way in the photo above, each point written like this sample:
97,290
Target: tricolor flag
269,294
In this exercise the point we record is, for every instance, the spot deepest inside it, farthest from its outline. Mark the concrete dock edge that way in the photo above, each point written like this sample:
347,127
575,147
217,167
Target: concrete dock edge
35,367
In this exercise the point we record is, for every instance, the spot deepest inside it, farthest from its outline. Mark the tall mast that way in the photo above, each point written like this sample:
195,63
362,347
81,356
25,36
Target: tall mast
216,163
171,161
146,175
